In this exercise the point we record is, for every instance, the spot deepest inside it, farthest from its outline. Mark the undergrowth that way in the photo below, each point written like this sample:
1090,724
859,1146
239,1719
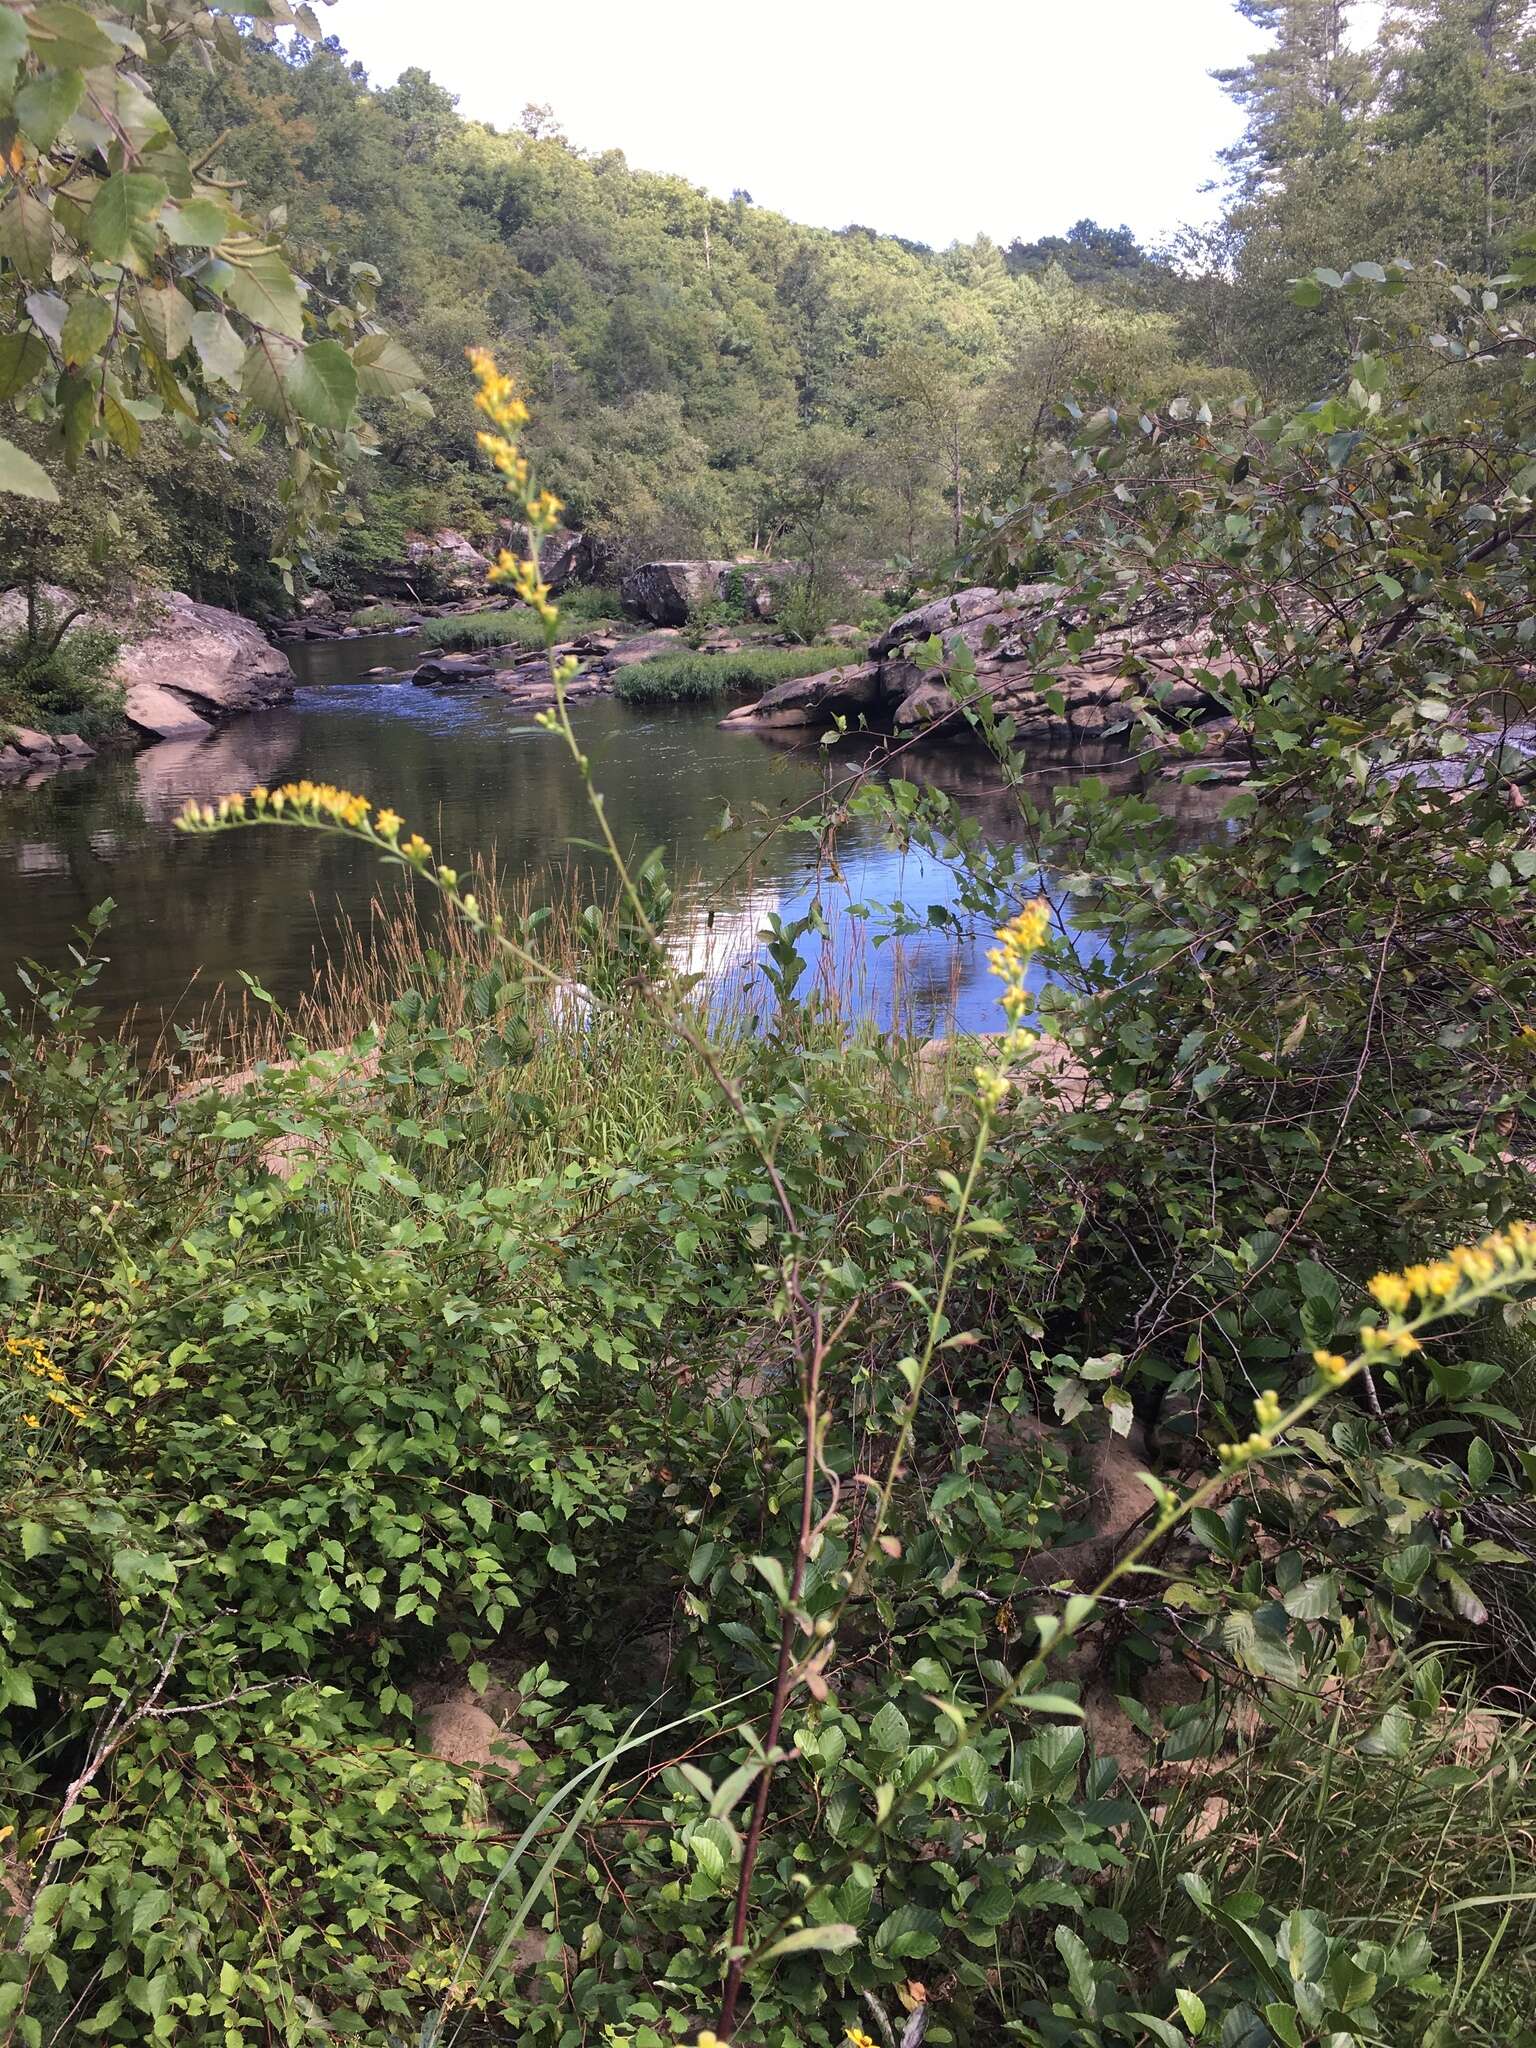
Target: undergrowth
689,678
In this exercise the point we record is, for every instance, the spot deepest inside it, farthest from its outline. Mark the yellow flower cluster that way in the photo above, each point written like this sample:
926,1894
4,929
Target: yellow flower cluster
31,1354
497,397
1467,1269
1017,943
307,803
857,2038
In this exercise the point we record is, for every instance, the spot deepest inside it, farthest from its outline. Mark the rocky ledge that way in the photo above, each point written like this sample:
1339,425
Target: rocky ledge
1142,665
186,669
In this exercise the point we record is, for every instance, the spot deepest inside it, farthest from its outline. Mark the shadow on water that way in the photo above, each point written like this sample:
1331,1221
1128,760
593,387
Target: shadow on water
475,779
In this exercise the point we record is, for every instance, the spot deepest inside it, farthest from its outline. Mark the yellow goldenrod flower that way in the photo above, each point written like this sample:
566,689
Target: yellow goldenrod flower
857,2038
32,1422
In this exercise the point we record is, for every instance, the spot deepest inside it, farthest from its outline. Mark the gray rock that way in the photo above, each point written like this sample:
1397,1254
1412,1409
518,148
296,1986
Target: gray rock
667,592
217,661
40,745
163,715
643,646
13,762
814,700
72,744
446,670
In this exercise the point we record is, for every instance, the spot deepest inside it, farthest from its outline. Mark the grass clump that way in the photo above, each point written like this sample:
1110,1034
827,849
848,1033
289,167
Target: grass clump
383,618
466,630
696,678
585,602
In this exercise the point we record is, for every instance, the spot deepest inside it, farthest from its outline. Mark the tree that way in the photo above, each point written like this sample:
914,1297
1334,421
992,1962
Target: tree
133,288
1302,96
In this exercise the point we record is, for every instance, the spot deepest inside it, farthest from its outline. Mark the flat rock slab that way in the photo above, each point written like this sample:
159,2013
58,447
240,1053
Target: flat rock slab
162,714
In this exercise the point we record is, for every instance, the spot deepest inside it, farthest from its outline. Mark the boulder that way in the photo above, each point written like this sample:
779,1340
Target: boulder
667,592
664,641
162,715
71,743
445,671
13,762
215,662
568,557
814,700
757,586
40,745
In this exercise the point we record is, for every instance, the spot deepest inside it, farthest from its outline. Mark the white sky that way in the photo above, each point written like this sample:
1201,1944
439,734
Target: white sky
1012,117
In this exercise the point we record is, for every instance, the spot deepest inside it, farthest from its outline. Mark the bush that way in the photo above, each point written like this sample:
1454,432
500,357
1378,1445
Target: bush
697,678
68,687
585,602
464,630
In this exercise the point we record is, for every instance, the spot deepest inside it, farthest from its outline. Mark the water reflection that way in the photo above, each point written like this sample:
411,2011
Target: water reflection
475,779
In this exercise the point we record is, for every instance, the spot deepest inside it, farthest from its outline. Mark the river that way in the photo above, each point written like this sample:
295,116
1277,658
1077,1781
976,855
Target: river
475,778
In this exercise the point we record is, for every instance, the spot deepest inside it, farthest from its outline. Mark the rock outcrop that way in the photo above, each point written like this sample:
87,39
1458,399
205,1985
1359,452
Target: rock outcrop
195,665
1092,700
666,593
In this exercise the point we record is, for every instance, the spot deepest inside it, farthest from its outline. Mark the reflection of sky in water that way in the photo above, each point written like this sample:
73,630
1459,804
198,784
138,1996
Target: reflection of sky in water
478,780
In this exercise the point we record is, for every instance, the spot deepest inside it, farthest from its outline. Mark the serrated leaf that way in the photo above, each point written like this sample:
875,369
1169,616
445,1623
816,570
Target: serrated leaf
47,312
198,223
261,286
68,37
831,1939
1192,2011
384,368
165,319
120,424
561,1559
220,350
86,328
45,103
24,477
121,222
322,385
888,1731
26,237
23,358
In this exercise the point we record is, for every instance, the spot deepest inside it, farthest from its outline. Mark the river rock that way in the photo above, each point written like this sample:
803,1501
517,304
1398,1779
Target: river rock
37,744
568,557
447,671
666,640
13,762
667,592
759,587
213,661
72,744
814,700
162,715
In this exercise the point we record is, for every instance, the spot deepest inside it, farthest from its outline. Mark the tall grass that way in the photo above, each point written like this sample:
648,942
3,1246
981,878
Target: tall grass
484,629
697,678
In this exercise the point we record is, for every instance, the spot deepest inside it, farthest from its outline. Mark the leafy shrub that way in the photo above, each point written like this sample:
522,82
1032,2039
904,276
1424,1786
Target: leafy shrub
692,678
584,603
68,686
467,630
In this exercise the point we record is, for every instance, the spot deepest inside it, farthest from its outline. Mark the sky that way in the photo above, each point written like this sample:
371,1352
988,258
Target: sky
937,122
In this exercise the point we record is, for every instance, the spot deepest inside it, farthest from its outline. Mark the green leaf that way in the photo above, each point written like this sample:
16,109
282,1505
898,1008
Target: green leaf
831,1939
1192,2011
261,286
150,1908
121,222
120,424
45,103
67,38
384,368
322,385
1282,2023
85,330
561,1559
770,1569
1479,1462
198,223
26,237
219,348
26,478
165,318
911,1931
13,37
23,357
888,1731
1080,1971
1160,2030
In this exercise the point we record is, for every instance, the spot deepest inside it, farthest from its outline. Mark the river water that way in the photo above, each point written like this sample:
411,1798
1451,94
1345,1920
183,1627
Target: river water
475,778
